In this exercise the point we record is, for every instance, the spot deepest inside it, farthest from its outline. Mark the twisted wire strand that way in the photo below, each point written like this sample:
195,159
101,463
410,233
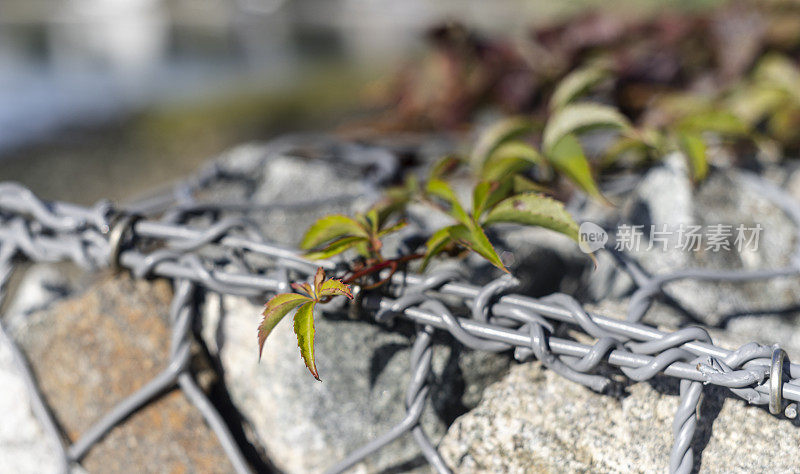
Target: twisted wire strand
681,459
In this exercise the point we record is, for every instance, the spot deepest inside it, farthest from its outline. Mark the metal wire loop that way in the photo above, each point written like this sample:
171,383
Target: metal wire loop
776,381
122,228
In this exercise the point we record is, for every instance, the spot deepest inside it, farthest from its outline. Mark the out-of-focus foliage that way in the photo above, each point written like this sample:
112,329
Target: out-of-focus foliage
677,78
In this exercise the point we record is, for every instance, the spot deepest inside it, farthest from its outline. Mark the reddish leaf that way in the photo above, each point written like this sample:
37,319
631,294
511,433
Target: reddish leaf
275,310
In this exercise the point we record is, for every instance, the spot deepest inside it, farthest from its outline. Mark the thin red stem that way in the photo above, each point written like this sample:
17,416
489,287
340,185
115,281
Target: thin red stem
394,263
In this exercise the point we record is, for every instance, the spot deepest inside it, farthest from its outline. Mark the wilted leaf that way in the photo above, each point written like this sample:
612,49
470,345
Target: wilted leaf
442,190
567,157
576,83
275,310
535,210
496,135
695,149
319,277
303,288
304,328
331,227
580,116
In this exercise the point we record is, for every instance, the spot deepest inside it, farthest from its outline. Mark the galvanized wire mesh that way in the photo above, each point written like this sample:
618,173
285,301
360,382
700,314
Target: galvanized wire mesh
103,236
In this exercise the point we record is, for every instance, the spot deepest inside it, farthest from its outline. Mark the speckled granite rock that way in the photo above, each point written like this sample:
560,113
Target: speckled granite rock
23,446
666,196
91,351
536,421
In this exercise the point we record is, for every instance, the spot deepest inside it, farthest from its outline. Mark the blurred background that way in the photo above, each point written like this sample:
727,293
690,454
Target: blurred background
110,98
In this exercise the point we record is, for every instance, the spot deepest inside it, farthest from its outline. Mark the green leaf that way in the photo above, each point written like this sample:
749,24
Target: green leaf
576,83
576,117
625,147
393,228
336,247
275,310
436,244
444,166
479,197
304,329
509,158
567,157
753,104
471,237
396,199
694,148
496,135
487,194
780,71
331,227
442,190
719,121
521,184
535,210
374,220
334,287
475,239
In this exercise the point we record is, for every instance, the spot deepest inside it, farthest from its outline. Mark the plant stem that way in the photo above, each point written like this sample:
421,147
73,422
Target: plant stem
392,263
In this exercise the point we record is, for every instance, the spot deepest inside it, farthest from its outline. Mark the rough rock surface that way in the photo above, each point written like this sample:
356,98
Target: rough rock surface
23,446
91,351
535,421
665,197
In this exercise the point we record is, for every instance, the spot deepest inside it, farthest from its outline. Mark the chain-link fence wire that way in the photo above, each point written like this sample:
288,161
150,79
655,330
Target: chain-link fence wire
101,236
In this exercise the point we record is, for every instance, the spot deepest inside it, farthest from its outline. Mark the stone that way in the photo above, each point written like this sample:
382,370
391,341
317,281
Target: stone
536,421
91,351
665,197
39,286
24,448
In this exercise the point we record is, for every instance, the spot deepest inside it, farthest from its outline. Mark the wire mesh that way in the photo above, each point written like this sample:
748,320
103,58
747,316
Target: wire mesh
103,236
